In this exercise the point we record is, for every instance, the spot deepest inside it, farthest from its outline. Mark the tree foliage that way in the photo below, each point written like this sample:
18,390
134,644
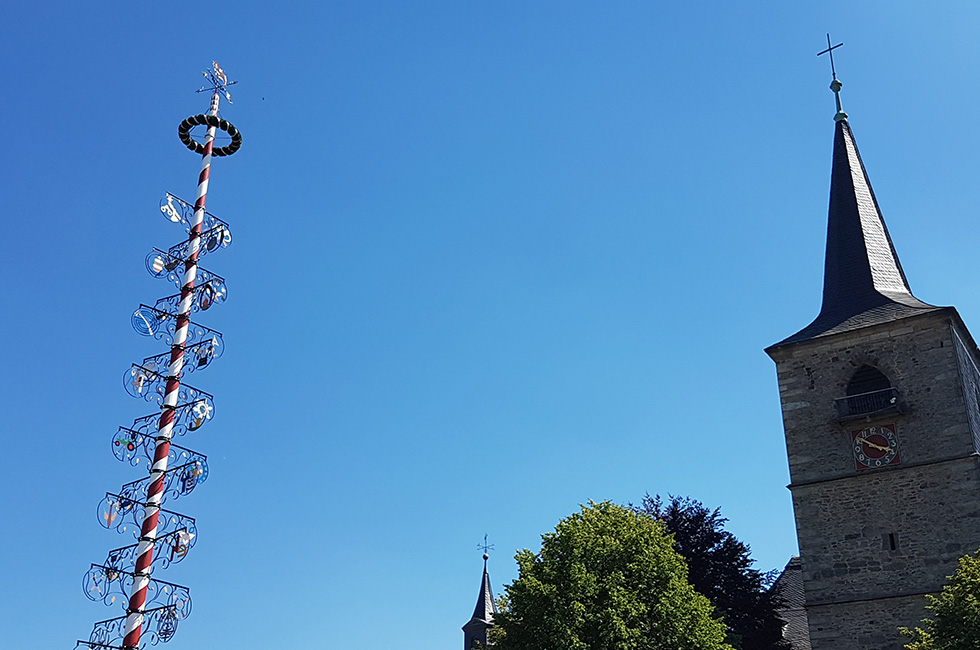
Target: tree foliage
955,622
608,578
720,567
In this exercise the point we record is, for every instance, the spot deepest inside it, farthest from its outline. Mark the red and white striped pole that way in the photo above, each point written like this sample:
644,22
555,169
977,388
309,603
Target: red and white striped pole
151,513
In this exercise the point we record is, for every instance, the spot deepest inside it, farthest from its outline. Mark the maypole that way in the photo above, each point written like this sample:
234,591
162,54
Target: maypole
153,607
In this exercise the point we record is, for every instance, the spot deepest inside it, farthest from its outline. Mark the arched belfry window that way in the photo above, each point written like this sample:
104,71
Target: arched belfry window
868,392
867,380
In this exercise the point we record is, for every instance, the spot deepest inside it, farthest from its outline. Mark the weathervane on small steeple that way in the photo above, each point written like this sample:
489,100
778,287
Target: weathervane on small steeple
485,547
835,85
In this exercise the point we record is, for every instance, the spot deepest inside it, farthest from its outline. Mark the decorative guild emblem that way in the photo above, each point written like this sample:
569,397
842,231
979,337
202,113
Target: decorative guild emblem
170,210
875,447
205,353
190,476
167,626
202,413
124,441
207,297
181,544
110,514
143,321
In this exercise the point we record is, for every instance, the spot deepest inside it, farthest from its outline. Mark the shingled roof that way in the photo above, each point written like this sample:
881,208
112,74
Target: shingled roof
485,607
482,619
864,283
789,587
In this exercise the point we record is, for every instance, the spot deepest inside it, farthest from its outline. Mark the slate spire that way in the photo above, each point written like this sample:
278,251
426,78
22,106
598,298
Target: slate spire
864,283
482,619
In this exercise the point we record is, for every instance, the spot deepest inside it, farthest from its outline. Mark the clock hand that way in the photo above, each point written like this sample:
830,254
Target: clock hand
872,445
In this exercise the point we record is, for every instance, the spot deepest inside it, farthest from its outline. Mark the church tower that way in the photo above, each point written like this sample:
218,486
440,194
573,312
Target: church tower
482,619
880,408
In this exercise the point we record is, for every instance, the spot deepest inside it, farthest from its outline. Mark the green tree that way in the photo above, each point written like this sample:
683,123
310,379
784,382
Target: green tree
955,622
720,567
608,578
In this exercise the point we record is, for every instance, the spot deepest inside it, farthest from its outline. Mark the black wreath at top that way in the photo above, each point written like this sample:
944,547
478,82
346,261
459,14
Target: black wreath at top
184,131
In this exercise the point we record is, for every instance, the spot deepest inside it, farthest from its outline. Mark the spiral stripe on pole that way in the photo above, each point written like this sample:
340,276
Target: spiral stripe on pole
144,560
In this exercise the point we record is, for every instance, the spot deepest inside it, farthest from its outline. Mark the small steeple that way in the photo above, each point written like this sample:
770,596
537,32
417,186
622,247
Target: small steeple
864,283
482,619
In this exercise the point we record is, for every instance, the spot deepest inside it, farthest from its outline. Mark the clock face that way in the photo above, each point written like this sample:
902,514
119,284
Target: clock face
875,446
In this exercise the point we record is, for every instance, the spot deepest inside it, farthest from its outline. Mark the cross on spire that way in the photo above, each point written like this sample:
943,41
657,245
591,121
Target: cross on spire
835,85
830,50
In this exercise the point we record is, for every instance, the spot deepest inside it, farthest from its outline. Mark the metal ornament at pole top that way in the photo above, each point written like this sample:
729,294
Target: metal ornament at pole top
183,409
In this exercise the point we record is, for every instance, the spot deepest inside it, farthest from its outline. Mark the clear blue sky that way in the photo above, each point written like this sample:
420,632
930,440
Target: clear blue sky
491,260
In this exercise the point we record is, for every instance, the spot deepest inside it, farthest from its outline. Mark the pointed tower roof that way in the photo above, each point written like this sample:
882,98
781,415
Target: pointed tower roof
485,606
482,619
864,283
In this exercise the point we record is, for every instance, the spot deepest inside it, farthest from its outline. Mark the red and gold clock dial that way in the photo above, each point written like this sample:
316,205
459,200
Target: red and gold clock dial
875,446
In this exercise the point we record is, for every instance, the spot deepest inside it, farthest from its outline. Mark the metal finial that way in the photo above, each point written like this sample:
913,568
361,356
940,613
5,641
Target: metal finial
217,81
835,85
485,547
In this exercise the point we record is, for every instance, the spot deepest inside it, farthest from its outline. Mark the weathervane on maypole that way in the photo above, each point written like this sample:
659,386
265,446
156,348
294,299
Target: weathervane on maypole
153,607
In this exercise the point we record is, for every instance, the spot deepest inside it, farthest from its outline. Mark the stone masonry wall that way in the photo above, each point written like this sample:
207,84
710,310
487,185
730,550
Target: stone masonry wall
928,506
918,356
970,375
846,529
864,625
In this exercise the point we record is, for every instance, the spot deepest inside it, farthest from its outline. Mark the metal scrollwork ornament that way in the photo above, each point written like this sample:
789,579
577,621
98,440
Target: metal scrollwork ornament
137,448
161,264
89,645
111,585
203,297
160,625
189,416
209,241
124,515
148,382
177,210
196,356
162,325
177,481
174,546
